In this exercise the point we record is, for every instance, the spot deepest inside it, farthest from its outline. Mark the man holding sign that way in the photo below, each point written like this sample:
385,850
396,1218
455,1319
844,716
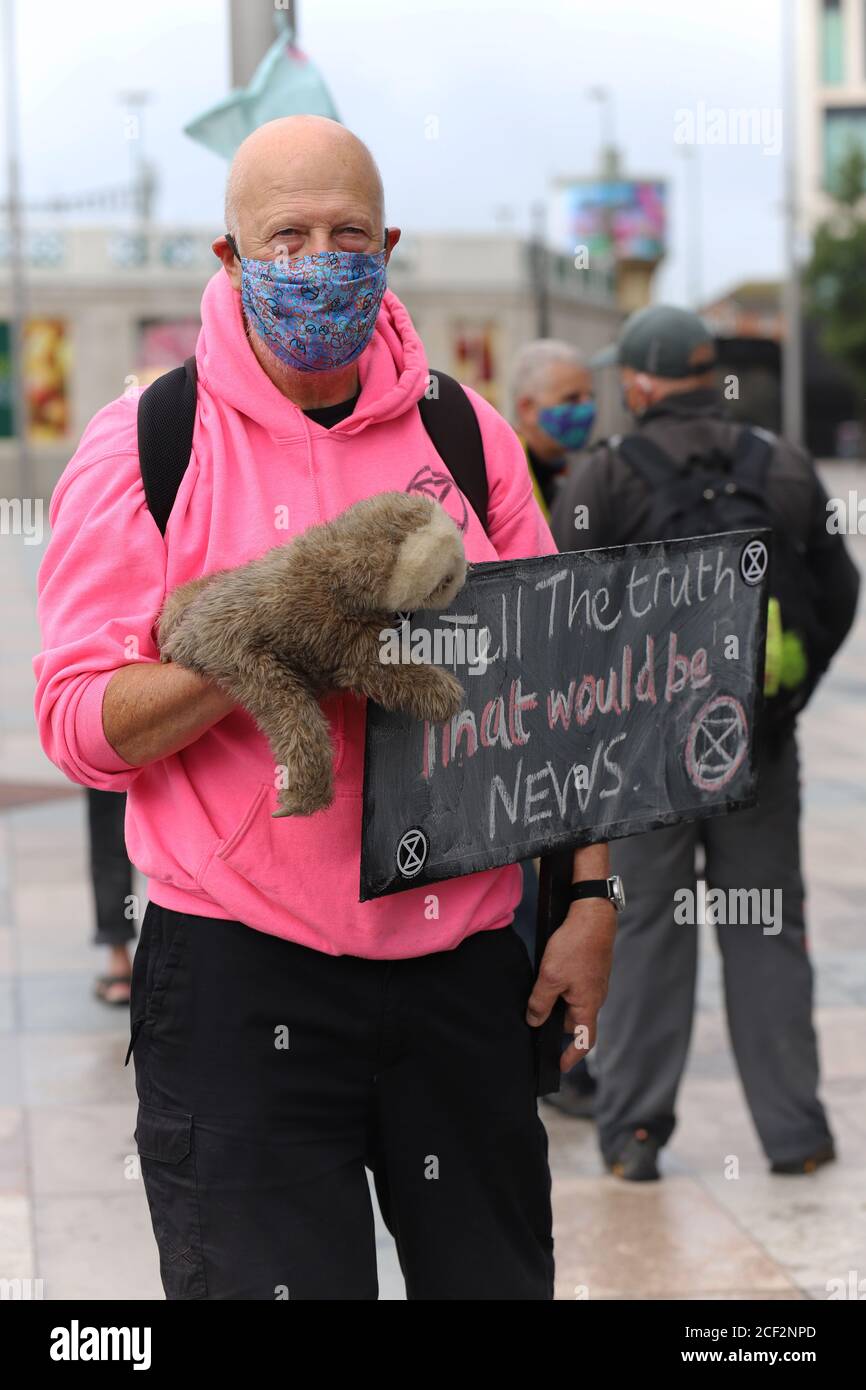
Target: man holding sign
284,1034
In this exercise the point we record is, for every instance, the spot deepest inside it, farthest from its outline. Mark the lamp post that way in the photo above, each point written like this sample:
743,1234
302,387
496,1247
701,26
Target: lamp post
608,173
792,349
539,269
694,218
251,33
17,280
602,96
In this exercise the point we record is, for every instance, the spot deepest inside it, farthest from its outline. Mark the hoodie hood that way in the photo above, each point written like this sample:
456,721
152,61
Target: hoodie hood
392,369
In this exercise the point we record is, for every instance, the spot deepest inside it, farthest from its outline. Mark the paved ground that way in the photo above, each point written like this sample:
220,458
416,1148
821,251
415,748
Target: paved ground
70,1214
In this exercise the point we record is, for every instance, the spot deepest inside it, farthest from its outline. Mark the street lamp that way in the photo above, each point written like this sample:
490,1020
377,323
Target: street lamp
18,286
603,97
694,217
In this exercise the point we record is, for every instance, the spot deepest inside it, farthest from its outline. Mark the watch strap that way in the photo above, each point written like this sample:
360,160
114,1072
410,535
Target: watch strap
590,888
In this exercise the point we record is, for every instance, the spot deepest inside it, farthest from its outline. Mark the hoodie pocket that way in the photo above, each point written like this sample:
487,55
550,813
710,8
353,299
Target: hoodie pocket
291,861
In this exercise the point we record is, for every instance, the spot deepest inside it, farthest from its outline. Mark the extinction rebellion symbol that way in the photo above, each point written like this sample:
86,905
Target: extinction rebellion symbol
717,743
753,562
432,483
412,848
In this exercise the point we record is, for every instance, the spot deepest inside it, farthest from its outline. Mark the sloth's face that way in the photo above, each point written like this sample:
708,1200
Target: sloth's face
430,567
441,595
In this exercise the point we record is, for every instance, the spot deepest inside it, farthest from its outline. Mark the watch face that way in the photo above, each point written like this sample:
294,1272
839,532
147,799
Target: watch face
617,892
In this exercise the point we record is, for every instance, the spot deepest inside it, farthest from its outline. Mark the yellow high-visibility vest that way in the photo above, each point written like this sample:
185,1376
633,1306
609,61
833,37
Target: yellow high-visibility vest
545,510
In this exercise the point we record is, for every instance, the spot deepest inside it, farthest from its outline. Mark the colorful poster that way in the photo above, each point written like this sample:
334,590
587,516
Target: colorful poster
625,216
46,379
474,358
6,412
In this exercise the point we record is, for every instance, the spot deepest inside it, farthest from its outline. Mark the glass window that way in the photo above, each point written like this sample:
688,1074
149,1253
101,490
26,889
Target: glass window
832,48
844,130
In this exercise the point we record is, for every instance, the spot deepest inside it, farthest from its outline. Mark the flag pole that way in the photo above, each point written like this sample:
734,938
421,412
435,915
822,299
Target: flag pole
17,280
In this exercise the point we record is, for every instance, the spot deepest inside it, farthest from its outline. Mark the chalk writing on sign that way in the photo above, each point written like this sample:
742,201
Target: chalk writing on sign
606,692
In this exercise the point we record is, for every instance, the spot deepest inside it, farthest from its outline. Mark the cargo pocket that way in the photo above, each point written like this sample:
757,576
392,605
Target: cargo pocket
165,1147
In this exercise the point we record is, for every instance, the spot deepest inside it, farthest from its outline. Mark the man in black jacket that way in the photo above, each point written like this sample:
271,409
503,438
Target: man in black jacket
666,360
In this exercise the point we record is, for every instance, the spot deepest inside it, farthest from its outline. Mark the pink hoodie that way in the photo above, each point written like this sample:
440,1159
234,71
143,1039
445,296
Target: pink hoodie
199,823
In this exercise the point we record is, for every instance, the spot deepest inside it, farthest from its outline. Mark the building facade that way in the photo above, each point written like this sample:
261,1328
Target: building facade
107,309
831,93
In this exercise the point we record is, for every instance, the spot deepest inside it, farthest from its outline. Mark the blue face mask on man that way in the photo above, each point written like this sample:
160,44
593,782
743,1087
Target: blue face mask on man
316,313
569,423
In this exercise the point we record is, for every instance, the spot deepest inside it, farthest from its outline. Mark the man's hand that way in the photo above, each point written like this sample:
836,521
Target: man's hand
576,964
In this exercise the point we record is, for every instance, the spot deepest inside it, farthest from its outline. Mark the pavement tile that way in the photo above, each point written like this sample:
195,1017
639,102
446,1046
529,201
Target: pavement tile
68,906
850,1289
842,1039
8,1006
81,1149
714,1296
16,1246
653,1239
7,956
97,1247
14,1165
66,1004
813,1227
11,1090
49,947
75,1069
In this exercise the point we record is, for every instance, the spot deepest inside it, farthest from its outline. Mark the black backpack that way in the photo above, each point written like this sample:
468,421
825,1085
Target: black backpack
166,419
720,491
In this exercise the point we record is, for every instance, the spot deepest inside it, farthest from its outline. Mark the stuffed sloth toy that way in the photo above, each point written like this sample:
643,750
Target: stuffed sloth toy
304,620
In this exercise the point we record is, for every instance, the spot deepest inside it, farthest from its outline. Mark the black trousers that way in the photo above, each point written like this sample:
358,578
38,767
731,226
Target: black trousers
269,1075
110,869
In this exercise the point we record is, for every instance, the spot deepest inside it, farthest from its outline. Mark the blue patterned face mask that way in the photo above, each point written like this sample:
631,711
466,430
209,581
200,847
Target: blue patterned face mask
570,423
316,313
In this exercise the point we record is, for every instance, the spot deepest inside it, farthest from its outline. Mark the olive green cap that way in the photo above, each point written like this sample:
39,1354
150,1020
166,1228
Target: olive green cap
662,341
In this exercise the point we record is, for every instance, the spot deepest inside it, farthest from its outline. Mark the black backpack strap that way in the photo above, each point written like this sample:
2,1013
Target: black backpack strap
166,420
752,457
671,486
453,427
748,464
648,460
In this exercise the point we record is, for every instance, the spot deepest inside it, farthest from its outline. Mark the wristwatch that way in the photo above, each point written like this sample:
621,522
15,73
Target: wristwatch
610,888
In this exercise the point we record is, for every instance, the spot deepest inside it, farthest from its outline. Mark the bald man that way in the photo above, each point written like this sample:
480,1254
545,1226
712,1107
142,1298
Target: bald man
284,1035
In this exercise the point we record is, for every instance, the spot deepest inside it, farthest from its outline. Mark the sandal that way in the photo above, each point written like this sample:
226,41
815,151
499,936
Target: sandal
106,984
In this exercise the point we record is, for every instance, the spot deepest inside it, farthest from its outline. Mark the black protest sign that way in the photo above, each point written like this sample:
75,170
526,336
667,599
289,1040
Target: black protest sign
607,692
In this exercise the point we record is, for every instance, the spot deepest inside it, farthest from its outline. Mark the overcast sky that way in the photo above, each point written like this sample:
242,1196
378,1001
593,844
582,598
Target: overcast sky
508,82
